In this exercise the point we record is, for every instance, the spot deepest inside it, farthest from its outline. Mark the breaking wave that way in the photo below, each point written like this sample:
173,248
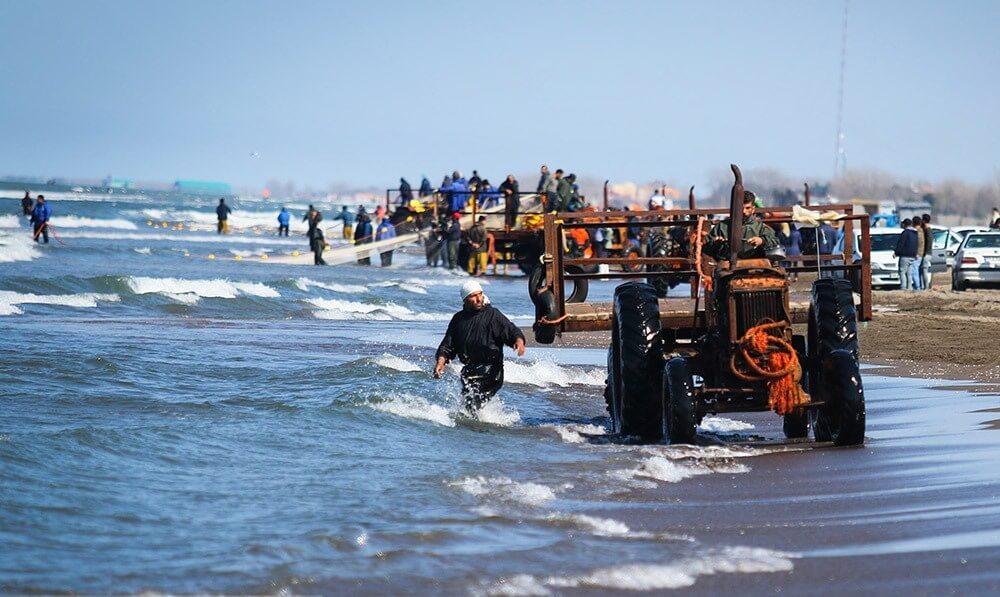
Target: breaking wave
190,291
546,373
337,309
414,407
9,301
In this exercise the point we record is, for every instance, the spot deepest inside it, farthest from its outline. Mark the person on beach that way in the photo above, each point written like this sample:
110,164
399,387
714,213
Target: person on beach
385,231
405,192
453,238
926,276
918,227
222,212
758,237
543,181
511,201
347,217
283,219
363,235
906,252
476,237
317,243
26,203
425,188
40,218
477,335
551,185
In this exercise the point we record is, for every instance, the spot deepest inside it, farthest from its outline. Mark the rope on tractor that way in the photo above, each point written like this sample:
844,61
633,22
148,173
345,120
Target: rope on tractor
706,281
774,361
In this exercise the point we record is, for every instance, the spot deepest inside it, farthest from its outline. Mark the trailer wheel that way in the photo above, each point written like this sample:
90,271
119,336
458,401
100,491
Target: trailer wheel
678,402
637,315
631,253
545,307
842,418
832,327
658,248
581,287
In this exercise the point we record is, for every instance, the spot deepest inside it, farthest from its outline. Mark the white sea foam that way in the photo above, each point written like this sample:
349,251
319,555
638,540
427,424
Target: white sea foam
714,424
390,361
520,585
414,407
495,412
143,251
573,433
602,527
503,488
678,574
265,221
176,288
546,373
304,284
18,248
10,300
60,222
408,287
9,221
181,237
337,309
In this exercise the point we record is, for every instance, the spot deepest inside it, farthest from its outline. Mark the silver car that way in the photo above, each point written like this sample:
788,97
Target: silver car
977,261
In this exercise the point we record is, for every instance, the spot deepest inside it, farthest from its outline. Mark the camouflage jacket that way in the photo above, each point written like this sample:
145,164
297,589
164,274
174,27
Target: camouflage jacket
752,226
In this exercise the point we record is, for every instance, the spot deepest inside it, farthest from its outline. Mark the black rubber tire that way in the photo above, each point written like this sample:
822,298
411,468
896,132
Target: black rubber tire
637,315
679,417
657,248
832,326
581,288
631,253
610,390
834,317
958,286
842,418
545,306
796,424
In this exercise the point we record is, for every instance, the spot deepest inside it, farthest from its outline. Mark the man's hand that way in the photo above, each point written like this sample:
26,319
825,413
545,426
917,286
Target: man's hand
519,347
439,367
755,241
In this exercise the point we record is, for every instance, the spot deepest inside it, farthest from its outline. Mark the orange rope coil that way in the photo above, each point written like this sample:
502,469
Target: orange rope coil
774,361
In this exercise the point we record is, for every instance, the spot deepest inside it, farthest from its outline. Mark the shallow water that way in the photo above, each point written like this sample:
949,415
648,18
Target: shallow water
178,424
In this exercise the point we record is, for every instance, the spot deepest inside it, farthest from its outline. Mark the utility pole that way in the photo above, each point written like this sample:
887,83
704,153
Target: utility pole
840,157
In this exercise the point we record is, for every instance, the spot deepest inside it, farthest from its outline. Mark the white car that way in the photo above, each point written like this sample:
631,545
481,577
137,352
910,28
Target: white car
885,266
950,242
977,261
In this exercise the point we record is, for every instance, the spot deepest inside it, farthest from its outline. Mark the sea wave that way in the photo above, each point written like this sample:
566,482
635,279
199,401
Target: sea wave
546,373
189,291
414,407
304,284
505,489
9,300
336,309
59,222
18,248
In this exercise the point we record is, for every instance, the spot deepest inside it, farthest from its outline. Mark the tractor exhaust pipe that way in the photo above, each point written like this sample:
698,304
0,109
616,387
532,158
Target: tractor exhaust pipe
736,216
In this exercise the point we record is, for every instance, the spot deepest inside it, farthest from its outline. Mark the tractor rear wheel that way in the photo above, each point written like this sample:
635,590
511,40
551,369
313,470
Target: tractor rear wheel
833,364
640,360
678,402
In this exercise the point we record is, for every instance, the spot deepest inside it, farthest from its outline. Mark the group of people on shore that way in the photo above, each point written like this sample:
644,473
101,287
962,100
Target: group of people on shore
358,228
914,249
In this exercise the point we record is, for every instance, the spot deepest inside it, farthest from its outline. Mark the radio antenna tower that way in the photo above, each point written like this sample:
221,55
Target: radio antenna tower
840,157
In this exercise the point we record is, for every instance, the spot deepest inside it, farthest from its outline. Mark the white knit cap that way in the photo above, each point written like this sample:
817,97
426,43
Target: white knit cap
470,287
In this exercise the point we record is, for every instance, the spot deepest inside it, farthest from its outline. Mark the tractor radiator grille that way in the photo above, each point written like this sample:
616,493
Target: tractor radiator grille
753,308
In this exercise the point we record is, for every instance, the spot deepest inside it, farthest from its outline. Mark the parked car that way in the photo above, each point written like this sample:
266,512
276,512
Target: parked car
977,261
958,234
885,266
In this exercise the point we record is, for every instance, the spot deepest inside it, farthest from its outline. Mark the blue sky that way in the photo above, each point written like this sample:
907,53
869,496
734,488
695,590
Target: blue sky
363,92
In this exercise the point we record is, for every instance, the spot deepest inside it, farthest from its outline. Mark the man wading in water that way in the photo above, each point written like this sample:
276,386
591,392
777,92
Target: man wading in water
477,334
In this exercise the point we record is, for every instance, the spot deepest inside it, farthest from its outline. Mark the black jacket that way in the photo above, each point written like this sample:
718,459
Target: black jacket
478,336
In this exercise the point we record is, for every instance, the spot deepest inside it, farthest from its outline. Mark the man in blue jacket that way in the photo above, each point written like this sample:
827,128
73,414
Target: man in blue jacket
40,218
906,251
283,218
385,231
348,219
